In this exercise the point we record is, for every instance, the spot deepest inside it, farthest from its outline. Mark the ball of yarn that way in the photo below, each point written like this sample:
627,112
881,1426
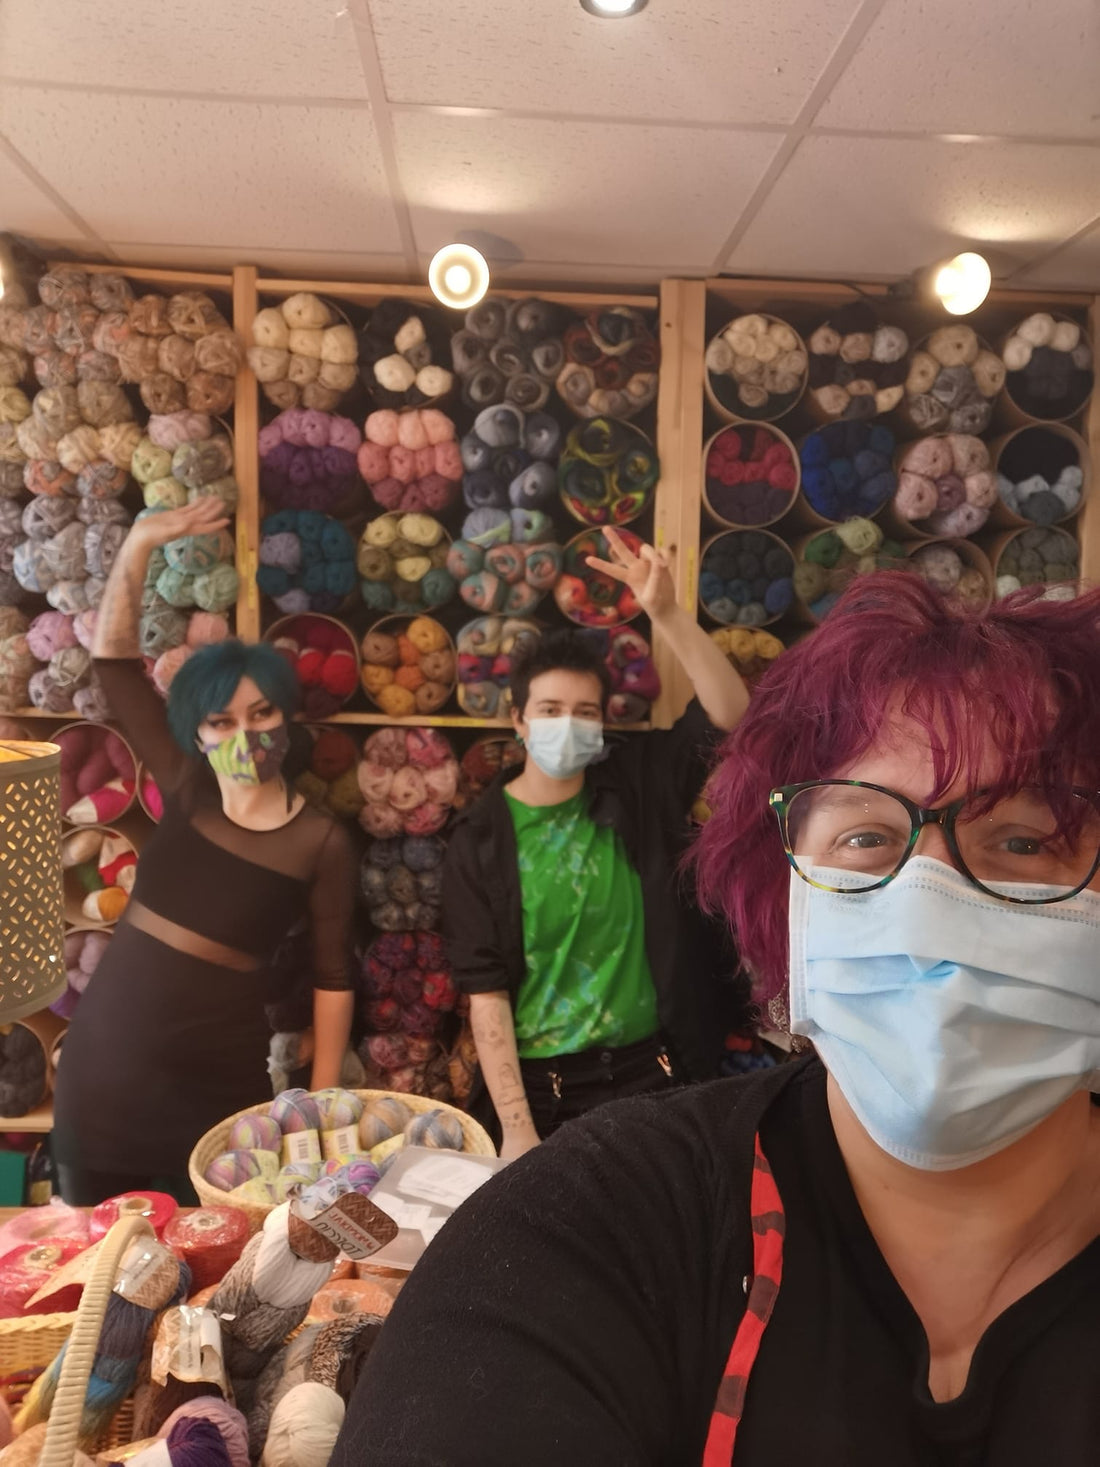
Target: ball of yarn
233,1168
436,1128
295,1110
382,1119
255,1132
229,1422
304,1427
337,1108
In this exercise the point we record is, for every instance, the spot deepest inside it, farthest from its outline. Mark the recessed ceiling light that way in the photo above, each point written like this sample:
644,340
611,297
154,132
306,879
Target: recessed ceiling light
458,276
963,283
613,9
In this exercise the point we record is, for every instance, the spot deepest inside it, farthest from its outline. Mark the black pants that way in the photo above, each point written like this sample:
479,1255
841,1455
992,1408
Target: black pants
569,1085
81,1188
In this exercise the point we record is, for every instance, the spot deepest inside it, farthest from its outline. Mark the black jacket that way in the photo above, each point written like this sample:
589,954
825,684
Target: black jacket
645,790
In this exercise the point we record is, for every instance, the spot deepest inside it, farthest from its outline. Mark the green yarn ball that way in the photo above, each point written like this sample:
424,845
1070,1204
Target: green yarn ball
378,595
216,589
194,554
176,587
165,493
150,462
224,489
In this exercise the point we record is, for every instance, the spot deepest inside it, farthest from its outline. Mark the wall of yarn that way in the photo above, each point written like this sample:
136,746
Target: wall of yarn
109,404
846,433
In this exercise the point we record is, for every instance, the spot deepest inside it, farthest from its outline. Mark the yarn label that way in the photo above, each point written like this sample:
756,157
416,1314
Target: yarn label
188,1345
301,1146
342,1142
444,1179
139,1263
353,1225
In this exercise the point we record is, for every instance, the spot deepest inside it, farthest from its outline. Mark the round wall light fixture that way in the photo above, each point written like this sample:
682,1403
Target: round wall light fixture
962,283
458,276
613,9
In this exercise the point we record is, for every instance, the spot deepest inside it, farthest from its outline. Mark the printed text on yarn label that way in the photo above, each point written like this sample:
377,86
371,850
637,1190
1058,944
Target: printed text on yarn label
342,1142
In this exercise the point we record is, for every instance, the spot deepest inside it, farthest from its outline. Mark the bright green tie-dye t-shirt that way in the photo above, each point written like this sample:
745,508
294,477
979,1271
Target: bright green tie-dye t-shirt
588,982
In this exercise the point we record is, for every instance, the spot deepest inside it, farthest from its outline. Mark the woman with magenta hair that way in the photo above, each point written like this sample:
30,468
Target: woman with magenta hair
886,1251
172,1036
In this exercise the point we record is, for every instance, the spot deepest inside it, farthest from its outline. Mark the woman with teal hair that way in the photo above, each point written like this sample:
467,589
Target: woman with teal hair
172,1036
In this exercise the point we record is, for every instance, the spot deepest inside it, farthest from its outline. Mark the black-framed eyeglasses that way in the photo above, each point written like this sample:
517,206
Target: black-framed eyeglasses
1032,838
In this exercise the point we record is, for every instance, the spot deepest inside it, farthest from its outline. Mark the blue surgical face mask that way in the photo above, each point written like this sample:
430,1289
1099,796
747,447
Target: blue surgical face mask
562,747
951,1022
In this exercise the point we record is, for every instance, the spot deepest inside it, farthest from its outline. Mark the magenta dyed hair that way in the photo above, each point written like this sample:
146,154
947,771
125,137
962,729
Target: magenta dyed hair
1023,676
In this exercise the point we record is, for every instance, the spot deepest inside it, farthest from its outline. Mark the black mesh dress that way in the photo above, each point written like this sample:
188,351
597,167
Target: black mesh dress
171,1035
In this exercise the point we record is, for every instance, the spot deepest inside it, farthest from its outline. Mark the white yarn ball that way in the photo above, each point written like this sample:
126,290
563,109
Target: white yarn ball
304,1427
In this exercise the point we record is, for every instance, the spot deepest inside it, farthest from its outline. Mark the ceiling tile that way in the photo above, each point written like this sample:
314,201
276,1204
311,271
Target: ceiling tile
291,48
578,191
869,207
1077,267
697,60
26,209
208,173
1013,67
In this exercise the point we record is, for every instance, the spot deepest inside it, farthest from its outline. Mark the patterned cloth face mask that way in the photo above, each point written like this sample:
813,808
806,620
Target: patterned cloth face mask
248,756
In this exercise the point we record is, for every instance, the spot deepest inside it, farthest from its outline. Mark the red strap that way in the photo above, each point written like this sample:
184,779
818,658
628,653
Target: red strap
768,1227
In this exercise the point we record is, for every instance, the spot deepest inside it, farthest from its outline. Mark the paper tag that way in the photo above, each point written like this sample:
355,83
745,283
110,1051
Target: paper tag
344,1141
353,1225
407,1214
78,1270
429,1229
188,1345
301,1146
140,1261
447,1181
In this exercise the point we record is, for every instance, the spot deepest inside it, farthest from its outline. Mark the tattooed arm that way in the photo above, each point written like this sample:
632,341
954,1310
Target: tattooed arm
495,1038
116,628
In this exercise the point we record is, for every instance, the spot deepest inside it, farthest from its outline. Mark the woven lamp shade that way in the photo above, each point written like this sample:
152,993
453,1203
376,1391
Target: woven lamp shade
32,939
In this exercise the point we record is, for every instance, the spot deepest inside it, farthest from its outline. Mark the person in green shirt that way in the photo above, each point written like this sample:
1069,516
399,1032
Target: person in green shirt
591,974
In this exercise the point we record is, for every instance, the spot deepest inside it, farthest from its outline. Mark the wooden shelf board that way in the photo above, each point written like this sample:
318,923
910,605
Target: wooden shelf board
369,294
40,1119
814,290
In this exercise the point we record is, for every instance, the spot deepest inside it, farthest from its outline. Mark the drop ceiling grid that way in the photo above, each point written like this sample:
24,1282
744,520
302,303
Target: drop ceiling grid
697,110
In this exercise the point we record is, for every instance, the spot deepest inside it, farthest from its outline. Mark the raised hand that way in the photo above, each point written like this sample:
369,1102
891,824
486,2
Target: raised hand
206,516
647,574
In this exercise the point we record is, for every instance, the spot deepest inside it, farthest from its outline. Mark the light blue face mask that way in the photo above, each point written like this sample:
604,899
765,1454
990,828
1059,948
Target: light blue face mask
562,747
952,1023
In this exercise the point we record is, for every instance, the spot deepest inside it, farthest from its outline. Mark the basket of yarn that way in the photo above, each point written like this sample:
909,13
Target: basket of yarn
607,472
750,476
1036,557
756,369
192,571
409,780
827,561
200,629
401,879
85,944
325,656
591,598
953,382
402,563
1042,475
946,486
487,647
484,761
611,362
331,781
506,561
1049,369
857,365
304,353
25,1074
748,649
246,1159
307,561
746,578
196,468
410,461
847,470
179,350
510,352
99,864
308,461
402,352
635,682
508,460
149,795
98,773
958,569
409,665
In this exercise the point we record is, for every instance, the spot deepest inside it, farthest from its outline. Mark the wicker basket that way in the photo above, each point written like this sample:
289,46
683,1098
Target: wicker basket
104,729
392,626
216,1141
32,1344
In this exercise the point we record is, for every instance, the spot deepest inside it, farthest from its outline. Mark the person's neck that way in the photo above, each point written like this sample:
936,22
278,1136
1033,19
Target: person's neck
257,806
966,1244
533,787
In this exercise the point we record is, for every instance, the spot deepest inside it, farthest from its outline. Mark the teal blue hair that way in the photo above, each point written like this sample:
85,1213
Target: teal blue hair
206,682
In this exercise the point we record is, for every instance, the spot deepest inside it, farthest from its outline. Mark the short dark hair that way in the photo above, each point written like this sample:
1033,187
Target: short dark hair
207,680
559,651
